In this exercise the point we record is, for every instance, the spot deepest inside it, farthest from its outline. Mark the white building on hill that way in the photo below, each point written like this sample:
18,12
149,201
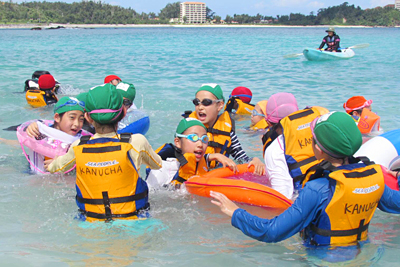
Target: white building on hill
193,12
397,4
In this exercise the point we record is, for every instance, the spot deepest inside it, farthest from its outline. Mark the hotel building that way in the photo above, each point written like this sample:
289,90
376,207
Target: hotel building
193,12
397,4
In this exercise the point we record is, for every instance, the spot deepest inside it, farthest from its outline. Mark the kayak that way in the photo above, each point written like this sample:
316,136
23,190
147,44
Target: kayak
318,55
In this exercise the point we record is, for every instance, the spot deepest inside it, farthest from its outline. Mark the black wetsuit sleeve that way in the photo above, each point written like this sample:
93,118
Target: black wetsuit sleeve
337,43
323,43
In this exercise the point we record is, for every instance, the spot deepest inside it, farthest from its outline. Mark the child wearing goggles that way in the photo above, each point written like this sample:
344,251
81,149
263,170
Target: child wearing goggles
208,103
186,157
258,115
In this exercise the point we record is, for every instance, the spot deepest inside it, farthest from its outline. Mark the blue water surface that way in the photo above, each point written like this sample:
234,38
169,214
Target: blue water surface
167,66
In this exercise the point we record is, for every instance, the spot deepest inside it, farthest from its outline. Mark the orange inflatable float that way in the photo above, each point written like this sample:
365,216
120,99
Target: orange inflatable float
237,190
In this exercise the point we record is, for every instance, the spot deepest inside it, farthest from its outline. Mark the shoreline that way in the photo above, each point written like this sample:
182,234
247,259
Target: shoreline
97,26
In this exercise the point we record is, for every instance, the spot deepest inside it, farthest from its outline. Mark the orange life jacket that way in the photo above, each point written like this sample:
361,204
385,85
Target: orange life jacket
107,182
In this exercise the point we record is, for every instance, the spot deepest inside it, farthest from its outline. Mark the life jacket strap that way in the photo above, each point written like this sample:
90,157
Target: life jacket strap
180,157
106,149
84,139
216,131
301,163
357,231
115,200
180,179
125,215
322,166
125,137
106,203
224,148
305,113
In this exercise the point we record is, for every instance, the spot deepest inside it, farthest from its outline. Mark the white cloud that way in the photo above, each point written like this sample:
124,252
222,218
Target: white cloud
316,5
260,5
288,3
375,3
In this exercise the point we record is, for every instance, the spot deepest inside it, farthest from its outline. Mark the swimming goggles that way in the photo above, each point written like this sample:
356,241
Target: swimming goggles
127,102
205,102
194,137
255,113
71,102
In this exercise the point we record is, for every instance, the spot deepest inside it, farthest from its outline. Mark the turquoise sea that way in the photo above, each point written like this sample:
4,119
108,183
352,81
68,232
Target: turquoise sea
167,65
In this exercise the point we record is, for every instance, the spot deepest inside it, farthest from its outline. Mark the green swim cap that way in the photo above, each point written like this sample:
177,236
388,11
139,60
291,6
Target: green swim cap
82,97
127,90
185,124
68,104
336,134
213,88
104,103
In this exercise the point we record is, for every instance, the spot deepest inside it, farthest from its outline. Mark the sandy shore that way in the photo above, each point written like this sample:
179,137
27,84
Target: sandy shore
86,26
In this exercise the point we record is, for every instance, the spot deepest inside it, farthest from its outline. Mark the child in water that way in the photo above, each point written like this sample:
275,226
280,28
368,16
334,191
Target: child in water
67,127
367,121
339,196
258,116
239,101
209,101
186,157
108,164
45,94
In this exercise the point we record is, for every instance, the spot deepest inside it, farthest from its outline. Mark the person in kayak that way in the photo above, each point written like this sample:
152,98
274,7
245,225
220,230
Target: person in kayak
332,40
338,200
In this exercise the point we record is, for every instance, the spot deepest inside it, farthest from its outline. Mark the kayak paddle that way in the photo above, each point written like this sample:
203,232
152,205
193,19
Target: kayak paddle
358,46
12,128
293,55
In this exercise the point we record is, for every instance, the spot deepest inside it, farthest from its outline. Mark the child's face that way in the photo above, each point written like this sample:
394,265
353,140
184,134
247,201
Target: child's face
71,122
208,114
256,119
187,146
115,82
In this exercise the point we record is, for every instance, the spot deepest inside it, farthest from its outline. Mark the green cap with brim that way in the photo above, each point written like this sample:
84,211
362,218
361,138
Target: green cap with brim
330,29
104,104
127,90
213,88
337,134
66,103
185,124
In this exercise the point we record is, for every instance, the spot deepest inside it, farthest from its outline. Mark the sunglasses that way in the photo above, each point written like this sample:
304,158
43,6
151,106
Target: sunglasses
194,137
205,102
255,113
71,102
127,102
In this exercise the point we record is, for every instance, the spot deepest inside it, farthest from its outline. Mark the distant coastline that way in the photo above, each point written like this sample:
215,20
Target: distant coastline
89,26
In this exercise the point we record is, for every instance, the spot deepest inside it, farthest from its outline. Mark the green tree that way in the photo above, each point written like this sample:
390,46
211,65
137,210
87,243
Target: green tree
209,14
170,11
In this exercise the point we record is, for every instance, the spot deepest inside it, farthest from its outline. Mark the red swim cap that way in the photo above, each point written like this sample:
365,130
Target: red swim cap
46,81
109,78
355,103
243,93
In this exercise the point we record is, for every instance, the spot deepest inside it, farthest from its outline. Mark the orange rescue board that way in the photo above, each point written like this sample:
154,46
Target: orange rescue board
237,190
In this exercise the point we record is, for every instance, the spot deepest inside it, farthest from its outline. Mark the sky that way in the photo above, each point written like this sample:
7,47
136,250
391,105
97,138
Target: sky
251,7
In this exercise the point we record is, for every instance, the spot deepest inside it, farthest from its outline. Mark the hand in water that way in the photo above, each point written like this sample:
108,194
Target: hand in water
33,130
226,205
259,167
48,162
225,161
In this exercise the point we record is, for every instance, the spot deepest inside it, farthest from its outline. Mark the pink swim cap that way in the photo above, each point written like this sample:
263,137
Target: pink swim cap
279,106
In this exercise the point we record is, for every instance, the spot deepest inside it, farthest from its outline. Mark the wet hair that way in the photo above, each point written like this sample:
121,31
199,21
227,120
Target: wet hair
358,110
61,116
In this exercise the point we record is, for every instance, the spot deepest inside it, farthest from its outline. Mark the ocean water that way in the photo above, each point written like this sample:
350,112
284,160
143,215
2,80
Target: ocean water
167,65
